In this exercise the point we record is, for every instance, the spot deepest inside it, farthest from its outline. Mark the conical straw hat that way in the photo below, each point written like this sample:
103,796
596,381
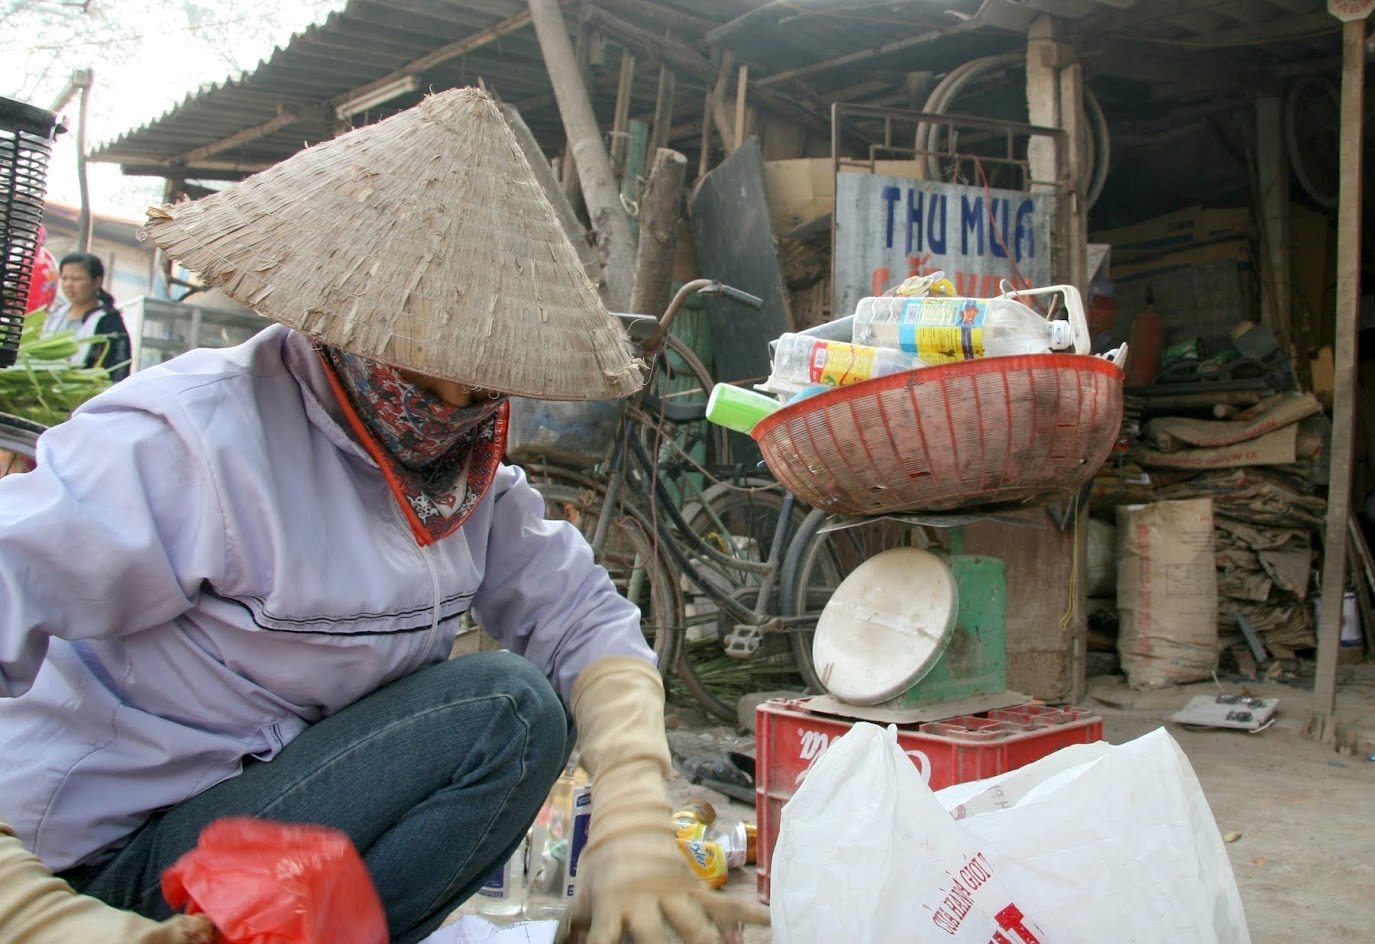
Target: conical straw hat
423,241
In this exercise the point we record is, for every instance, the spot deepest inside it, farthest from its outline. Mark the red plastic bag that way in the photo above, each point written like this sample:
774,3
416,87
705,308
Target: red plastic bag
263,882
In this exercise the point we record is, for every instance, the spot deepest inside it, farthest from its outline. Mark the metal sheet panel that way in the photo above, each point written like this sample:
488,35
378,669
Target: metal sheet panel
887,228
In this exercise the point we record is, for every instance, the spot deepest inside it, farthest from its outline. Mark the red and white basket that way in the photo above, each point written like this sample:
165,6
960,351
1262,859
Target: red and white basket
994,430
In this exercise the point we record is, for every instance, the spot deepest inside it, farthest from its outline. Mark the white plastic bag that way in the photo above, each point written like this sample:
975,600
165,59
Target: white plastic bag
1094,843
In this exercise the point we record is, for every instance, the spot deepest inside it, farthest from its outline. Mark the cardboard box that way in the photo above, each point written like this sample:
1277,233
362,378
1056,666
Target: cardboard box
802,189
1174,231
1200,292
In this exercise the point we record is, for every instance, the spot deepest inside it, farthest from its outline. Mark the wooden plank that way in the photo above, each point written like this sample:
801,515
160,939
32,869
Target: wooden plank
734,241
631,182
740,84
1344,373
1272,196
1076,144
621,119
663,108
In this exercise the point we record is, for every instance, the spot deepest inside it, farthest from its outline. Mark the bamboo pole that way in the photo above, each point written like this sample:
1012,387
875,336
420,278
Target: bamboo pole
1344,352
660,209
609,222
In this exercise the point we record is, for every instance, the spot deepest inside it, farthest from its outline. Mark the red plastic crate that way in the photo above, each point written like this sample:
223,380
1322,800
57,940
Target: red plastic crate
789,738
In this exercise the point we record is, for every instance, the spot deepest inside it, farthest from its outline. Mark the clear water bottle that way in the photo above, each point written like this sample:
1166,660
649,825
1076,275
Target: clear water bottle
801,360
503,895
942,330
555,840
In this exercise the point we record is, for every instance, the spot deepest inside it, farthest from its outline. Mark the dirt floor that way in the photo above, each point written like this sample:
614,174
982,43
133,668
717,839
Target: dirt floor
1305,858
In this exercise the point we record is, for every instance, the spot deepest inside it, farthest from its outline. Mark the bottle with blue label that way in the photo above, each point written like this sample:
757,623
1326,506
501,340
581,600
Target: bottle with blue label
503,894
945,330
557,838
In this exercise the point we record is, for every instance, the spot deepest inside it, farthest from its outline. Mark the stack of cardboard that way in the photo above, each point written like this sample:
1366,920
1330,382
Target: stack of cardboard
1258,467
1195,265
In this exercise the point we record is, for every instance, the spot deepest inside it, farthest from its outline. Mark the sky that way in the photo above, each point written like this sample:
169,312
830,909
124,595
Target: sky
146,56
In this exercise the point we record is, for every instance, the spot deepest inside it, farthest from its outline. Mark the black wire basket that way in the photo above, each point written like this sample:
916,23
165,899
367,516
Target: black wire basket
26,139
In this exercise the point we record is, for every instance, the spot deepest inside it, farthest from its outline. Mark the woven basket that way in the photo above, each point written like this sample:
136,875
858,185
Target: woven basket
995,430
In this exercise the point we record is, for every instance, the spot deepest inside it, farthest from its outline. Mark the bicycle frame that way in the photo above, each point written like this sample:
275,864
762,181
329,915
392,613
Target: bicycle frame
628,461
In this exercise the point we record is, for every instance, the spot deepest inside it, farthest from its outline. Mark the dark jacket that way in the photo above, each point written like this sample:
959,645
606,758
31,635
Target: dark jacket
114,354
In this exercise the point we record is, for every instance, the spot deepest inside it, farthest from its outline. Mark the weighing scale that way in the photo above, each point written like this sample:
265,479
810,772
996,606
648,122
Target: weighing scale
914,634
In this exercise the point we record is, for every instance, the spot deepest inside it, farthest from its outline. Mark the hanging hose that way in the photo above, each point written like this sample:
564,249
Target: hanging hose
928,134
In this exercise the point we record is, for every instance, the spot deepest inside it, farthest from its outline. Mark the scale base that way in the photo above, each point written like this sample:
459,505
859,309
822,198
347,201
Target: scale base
897,711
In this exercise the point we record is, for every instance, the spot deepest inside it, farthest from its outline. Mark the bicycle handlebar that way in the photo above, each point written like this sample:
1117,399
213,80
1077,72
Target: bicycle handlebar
705,287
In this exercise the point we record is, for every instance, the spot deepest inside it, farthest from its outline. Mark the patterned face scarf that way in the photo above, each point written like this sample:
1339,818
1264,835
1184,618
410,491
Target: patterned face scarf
438,458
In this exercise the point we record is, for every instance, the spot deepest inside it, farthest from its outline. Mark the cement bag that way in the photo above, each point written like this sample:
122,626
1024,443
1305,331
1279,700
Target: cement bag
1091,844
1166,592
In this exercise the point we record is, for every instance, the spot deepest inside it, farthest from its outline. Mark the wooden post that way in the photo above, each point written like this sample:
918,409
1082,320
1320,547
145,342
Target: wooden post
609,222
660,209
716,102
740,84
1076,209
1043,108
1352,13
663,108
621,120
549,182
704,158
1272,185
635,156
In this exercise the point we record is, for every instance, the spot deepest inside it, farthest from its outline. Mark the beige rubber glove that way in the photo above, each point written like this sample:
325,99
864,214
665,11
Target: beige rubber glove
36,907
632,879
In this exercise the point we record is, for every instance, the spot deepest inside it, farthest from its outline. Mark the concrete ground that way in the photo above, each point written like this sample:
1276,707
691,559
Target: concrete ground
1305,857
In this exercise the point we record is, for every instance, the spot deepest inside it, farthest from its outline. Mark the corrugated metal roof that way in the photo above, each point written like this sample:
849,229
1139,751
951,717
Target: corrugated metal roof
1143,57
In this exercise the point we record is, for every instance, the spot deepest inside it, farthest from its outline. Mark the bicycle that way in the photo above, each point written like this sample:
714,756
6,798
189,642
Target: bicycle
723,562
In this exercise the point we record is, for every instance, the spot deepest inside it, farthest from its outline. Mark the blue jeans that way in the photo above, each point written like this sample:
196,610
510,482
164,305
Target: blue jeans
435,777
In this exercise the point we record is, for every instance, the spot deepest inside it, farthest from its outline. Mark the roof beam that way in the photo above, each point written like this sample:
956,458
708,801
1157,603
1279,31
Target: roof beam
284,117
880,50
682,56
210,170
453,50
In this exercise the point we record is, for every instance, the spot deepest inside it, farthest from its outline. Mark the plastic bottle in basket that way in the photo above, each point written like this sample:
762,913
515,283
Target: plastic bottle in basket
801,361
942,330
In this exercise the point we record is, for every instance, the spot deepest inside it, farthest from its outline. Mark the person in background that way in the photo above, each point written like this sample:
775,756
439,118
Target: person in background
278,542
90,312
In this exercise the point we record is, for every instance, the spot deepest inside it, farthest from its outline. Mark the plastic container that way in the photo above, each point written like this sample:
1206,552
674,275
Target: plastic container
999,429
954,750
801,361
1147,341
943,330
737,408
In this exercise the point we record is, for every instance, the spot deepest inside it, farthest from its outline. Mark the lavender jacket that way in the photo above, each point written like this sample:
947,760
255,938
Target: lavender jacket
205,563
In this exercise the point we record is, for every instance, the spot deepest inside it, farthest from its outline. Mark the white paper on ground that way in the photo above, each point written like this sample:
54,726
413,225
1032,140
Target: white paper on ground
474,929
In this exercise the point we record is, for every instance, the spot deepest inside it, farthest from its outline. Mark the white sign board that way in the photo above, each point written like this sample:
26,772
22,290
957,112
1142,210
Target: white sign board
889,228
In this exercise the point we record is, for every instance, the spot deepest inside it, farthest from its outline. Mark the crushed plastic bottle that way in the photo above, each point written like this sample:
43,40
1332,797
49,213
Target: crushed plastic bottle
800,361
944,330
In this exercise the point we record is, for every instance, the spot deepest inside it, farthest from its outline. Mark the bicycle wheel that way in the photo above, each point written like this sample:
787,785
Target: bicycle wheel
630,555
739,521
818,561
18,443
